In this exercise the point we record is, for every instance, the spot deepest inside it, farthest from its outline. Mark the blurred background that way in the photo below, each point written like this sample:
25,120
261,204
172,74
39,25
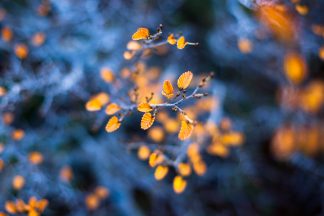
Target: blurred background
268,59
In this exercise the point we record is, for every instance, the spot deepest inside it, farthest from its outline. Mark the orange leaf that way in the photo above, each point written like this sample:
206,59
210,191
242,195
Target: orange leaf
143,152
295,68
107,75
112,109
181,43
167,90
156,158
141,33
184,80
179,184
185,130
184,169
113,124
144,107
160,172
147,121
171,39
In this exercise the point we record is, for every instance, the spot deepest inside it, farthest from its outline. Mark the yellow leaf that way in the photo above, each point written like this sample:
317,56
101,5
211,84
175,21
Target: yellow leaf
295,68
143,152
218,149
156,158
160,172
302,9
200,167
141,33
35,157
113,124
171,39
10,207
144,107
107,75
156,134
167,89
185,130
179,184
181,43
97,101
112,109
147,121
21,51
101,192
184,169
18,182
184,80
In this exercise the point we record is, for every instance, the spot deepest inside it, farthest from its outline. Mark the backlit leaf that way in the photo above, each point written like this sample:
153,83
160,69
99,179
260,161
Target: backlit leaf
295,67
144,107
160,172
141,33
147,121
167,90
185,130
184,80
112,109
113,124
181,43
171,39
179,184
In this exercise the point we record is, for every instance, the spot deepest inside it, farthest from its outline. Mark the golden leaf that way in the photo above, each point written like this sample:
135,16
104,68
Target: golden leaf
141,33
113,124
218,149
167,89
107,75
184,169
10,207
35,158
21,51
156,158
295,67
181,43
143,152
156,134
144,107
179,184
147,121
184,80
200,167
112,109
185,130
160,172
171,39
18,182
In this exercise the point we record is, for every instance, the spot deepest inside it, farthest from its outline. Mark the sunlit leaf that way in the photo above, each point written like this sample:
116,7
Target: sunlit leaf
141,34
295,67
181,43
144,107
185,130
107,75
147,121
156,158
21,51
167,89
171,39
112,109
113,124
184,169
18,182
160,172
143,152
179,184
184,80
